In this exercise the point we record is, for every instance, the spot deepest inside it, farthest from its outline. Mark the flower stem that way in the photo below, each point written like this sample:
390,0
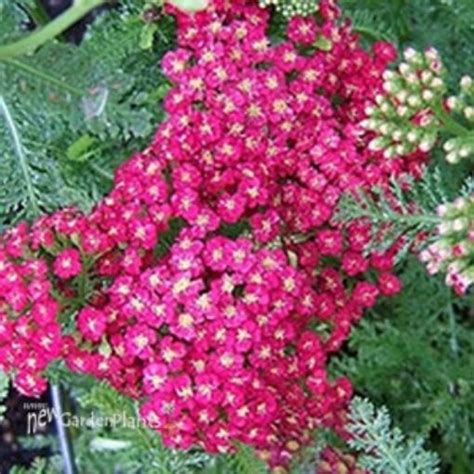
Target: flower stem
453,341
451,125
30,43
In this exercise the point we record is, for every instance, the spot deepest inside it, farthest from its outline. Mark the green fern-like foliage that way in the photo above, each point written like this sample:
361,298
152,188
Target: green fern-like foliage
447,25
414,354
385,449
69,114
39,466
129,443
400,213
141,450
404,211
244,461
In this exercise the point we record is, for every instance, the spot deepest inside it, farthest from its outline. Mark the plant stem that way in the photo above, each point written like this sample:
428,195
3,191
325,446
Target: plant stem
40,36
451,125
38,13
406,220
105,174
453,341
64,442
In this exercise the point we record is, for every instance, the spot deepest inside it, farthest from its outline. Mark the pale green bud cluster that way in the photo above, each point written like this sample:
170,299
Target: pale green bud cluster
462,146
453,250
404,118
290,8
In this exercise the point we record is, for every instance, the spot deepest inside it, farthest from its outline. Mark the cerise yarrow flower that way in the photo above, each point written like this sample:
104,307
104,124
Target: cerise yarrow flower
209,348
67,264
211,333
239,142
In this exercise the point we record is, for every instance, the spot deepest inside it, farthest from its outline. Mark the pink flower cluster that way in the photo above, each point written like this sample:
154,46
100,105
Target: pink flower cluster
270,134
222,339
54,266
214,337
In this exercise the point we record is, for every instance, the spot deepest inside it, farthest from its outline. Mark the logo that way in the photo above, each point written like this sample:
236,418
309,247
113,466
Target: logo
40,415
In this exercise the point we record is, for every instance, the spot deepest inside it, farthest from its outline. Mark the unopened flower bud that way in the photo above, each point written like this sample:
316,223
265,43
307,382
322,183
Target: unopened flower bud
389,152
413,136
379,98
414,101
432,54
460,224
426,77
466,83
427,95
469,112
373,124
452,102
401,149
385,108
427,143
465,151
404,69
409,54
412,78
425,256
377,144
449,145
402,96
441,210
444,228
452,157
460,203
397,135
388,75
293,445
402,111
389,86
264,455
437,83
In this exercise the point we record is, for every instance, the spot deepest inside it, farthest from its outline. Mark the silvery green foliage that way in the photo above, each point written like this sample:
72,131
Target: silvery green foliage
126,446
70,114
385,450
400,213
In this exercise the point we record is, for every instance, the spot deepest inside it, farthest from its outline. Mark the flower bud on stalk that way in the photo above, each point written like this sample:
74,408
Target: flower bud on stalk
453,250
